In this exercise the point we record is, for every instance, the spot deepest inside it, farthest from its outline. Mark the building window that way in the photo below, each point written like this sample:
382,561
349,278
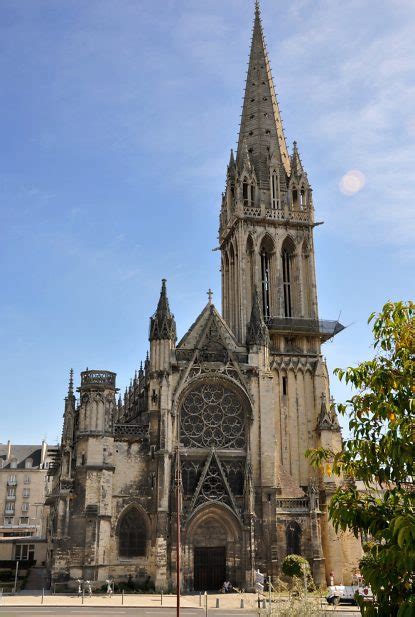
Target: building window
25,507
265,271
9,507
28,463
247,192
26,480
11,491
24,520
13,464
284,386
295,197
293,534
275,189
132,534
302,197
286,279
8,520
26,492
24,552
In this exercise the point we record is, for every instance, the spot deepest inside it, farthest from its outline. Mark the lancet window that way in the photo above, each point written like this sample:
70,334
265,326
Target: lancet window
293,538
295,196
266,253
132,534
287,265
247,192
275,189
302,197
265,273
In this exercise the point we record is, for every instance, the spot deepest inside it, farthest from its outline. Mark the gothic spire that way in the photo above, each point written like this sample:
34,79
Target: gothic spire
296,163
162,323
70,386
257,333
261,124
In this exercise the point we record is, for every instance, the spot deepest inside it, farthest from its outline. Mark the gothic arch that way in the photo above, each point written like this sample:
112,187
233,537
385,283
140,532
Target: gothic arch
290,278
306,276
218,513
293,538
250,270
267,257
133,532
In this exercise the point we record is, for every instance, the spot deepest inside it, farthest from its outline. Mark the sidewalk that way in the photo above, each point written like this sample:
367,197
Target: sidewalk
229,601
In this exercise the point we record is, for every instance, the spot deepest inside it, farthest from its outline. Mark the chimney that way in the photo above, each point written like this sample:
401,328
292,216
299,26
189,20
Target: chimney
9,450
43,454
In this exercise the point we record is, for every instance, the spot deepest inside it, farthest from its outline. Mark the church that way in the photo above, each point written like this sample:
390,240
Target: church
206,449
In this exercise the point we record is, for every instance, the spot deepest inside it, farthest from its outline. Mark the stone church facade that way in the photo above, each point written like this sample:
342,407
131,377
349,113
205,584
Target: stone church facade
228,411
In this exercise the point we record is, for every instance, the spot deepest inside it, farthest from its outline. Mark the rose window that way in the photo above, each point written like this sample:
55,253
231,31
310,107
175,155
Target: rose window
212,416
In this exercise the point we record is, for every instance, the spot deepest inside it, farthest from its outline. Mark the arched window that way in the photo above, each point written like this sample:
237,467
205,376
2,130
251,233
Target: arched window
302,197
275,189
287,262
250,267
247,192
132,534
267,248
293,538
295,196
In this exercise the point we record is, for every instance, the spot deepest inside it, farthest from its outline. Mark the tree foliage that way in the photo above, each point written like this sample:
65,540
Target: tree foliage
380,452
295,565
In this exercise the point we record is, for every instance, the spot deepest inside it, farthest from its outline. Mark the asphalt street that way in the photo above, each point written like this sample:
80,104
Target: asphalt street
50,611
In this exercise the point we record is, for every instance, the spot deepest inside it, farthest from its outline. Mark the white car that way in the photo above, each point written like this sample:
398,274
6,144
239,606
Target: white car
346,594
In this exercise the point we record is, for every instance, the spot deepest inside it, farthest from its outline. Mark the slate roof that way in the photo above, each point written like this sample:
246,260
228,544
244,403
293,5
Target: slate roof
21,453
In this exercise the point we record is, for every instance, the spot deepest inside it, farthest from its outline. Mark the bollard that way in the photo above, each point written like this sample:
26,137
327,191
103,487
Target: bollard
206,606
200,598
161,598
122,597
264,605
83,594
259,602
242,603
43,595
217,602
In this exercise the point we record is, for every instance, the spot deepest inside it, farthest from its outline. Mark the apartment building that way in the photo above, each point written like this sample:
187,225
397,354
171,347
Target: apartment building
23,487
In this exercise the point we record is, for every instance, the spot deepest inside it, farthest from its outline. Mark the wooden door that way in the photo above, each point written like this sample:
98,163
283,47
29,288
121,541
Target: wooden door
209,568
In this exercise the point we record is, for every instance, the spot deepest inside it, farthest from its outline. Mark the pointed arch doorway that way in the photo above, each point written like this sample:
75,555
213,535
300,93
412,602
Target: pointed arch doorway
214,549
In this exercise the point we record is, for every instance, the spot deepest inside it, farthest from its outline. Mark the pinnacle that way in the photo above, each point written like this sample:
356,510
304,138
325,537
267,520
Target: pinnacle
257,333
162,324
70,386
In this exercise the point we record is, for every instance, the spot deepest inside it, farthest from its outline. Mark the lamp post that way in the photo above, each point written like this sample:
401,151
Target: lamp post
178,543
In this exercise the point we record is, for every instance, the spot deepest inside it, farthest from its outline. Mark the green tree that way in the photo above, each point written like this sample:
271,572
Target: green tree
381,453
295,565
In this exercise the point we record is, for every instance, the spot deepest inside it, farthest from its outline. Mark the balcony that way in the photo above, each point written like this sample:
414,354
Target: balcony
12,482
293,504
11,497
325,329
9,512
100,379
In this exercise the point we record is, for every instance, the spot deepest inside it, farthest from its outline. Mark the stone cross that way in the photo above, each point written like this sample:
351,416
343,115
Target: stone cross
209,295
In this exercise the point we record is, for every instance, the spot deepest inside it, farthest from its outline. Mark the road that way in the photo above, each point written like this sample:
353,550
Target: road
51,611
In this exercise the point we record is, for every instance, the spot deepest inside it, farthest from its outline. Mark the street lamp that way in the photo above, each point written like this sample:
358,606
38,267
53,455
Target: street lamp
178,543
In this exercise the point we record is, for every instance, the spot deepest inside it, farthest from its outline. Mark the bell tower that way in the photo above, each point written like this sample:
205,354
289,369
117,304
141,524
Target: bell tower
267,216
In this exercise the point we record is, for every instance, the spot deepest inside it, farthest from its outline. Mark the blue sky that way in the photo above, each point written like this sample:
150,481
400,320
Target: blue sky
117,120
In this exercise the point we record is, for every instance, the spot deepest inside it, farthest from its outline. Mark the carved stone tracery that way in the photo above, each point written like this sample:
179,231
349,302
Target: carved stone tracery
212,416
